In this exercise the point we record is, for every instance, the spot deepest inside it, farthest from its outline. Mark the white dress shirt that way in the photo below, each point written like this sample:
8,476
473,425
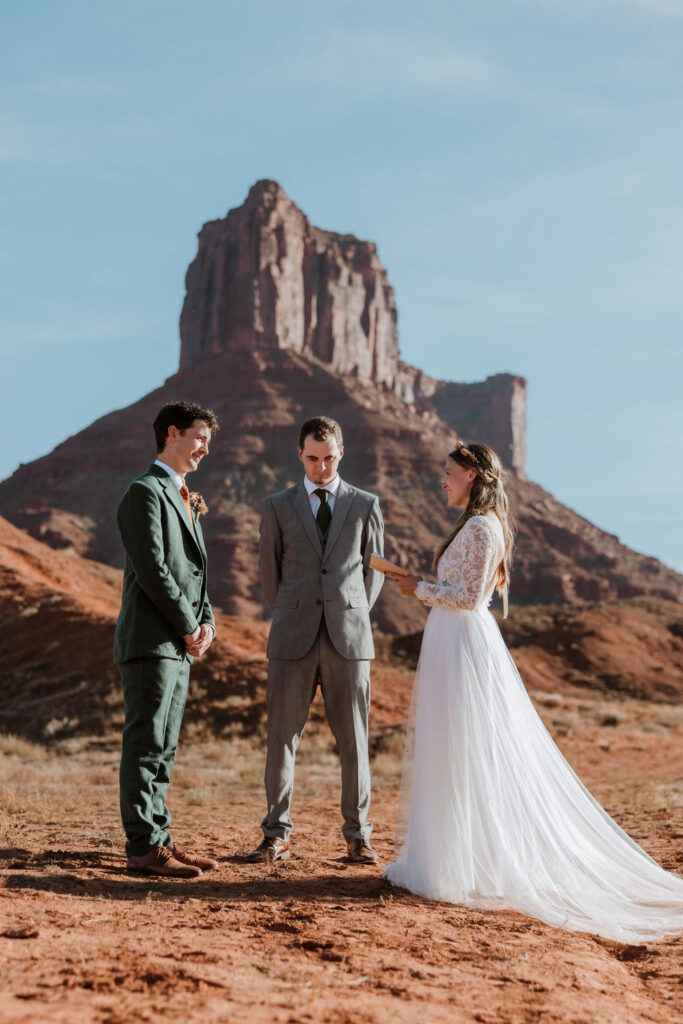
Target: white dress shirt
175,477
315,500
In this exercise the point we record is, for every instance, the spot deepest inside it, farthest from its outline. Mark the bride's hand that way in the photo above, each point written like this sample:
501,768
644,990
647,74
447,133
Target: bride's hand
406,584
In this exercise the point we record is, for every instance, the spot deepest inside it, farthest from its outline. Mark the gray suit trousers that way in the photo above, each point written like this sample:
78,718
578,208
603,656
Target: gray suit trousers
345,685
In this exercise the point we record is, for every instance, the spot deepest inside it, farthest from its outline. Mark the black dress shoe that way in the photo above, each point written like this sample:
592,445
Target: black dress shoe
269,849
360,852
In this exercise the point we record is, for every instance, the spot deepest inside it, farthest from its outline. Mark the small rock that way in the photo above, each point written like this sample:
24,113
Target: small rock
29,931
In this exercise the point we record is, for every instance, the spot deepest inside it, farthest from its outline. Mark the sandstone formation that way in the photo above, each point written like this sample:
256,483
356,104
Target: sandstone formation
492,411
283,321
265,278
260,398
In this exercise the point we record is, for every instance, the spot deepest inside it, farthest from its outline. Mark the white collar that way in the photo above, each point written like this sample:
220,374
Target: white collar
175,477
331,488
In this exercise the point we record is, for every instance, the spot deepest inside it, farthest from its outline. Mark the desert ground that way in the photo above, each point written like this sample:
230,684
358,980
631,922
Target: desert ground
315,939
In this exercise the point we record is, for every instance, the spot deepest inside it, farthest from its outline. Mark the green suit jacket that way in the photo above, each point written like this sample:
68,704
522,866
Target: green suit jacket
164,580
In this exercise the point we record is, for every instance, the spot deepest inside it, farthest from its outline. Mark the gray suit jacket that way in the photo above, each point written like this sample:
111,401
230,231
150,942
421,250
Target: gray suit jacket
164,577
302,580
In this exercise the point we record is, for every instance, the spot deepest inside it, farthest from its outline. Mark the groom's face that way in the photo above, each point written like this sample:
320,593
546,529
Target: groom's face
185,449
320,459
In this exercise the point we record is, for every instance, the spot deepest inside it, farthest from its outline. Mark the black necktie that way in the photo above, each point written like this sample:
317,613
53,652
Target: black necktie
324,512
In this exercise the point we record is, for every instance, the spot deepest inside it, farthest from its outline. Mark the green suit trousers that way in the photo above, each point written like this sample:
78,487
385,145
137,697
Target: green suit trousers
154,694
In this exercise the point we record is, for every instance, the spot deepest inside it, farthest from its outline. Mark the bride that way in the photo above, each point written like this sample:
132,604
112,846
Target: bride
492,816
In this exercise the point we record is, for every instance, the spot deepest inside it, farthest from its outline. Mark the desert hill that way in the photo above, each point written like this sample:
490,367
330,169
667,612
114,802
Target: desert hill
58,680
68,498
56,643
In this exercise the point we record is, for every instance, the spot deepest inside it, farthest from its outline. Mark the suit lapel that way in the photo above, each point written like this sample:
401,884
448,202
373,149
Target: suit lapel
200,538
342,504
302,506
173,495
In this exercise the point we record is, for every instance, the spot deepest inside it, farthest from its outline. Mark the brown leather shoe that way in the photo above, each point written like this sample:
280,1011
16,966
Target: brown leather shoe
360,851
185,857
269,849
161,861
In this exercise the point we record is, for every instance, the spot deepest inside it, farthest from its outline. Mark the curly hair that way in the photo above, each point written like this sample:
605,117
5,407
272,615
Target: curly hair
181,415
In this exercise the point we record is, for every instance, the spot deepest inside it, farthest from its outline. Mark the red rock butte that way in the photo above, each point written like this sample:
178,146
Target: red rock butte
264,278
283,321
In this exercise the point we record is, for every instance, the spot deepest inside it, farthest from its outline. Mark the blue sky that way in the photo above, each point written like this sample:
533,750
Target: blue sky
519,165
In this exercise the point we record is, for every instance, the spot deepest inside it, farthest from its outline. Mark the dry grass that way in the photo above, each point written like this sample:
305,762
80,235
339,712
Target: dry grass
668,794
35,781
387,766
251,777
17,746
107,776
22,807
200,797
317,747
8,829
187,778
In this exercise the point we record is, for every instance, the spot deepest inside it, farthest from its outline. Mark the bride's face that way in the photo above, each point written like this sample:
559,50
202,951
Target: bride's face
457,483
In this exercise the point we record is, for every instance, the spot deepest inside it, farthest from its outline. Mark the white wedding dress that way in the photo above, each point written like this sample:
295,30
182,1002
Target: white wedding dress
491,814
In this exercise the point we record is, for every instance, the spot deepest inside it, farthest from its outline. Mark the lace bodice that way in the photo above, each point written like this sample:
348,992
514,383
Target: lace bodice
468,567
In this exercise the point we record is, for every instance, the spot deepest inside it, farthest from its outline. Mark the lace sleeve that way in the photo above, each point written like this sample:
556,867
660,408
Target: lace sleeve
475,551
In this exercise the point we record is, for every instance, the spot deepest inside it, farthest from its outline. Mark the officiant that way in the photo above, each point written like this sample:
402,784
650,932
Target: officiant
316,542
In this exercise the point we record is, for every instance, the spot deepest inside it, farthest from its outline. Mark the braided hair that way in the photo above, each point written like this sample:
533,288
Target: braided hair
487,494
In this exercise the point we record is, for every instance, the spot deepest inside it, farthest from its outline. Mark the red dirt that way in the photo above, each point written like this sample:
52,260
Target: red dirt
316,939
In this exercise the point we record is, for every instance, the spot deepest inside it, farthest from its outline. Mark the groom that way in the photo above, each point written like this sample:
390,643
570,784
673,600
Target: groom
165,622
316,542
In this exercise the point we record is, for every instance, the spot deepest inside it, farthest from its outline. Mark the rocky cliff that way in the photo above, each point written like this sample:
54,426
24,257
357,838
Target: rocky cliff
261,353
264,278
492,411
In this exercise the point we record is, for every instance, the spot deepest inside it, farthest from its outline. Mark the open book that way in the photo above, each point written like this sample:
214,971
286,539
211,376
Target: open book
384,565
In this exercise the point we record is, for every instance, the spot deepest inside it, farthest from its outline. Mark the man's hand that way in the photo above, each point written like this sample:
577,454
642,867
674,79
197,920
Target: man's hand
407,584
193,638
200,640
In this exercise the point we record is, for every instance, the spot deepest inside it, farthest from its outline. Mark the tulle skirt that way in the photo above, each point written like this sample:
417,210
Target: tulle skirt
492,816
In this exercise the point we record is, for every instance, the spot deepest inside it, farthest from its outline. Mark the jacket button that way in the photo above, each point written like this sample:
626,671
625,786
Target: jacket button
318,601
195,604
323,571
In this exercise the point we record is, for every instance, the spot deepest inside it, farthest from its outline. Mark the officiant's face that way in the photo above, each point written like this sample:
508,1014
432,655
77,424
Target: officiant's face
457,483
321,459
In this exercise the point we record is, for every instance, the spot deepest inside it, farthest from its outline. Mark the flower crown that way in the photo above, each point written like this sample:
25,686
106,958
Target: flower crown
463,451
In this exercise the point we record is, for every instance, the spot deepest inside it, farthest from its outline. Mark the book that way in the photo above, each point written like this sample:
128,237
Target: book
384,565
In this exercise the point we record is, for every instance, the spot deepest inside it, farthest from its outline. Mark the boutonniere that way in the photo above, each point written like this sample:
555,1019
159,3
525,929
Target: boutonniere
197,504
